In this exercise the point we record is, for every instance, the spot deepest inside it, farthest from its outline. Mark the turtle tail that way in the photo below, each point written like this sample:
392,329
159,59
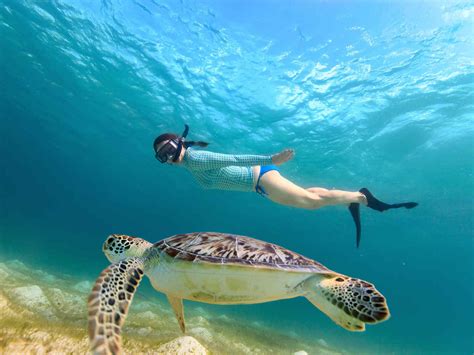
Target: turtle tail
349,302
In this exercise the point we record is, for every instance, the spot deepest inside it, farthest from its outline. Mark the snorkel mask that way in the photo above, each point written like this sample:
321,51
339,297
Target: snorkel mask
172,148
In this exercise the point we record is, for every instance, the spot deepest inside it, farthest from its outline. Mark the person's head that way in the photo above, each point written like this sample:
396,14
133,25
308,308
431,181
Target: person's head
165,147
170,148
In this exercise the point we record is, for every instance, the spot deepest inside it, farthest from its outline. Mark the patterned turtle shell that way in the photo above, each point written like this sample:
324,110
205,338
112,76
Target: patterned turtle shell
221,248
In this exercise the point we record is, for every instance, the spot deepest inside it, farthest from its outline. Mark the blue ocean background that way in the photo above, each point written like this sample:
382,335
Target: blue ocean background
369,93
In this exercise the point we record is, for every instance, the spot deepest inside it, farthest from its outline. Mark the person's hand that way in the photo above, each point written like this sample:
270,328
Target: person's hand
283,156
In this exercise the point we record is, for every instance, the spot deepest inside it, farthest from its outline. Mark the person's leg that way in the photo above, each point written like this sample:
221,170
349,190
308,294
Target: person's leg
338,197
285,192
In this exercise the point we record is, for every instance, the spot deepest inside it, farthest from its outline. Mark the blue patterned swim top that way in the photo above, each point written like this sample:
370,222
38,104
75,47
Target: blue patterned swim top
223,171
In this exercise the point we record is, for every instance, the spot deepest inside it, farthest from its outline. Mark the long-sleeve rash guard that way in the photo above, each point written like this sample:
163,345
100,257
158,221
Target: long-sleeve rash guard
223,171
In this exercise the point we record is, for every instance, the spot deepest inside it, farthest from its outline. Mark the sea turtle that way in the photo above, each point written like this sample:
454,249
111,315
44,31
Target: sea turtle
220,268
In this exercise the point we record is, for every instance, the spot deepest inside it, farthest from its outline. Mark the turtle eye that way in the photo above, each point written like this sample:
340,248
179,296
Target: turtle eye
110,240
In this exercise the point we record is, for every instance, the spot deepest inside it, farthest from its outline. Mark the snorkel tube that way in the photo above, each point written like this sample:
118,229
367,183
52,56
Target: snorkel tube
181,143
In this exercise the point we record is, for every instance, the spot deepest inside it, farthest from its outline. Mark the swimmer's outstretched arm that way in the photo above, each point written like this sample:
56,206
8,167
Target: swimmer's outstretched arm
205,160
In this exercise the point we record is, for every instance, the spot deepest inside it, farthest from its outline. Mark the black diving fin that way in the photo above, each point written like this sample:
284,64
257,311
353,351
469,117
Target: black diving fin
380,206
375,204
354,209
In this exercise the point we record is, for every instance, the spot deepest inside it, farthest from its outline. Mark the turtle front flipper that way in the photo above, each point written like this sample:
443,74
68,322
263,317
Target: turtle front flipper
177,305
108,304
349,302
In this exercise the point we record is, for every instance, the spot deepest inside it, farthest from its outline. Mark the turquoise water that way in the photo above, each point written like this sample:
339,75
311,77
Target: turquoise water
372,94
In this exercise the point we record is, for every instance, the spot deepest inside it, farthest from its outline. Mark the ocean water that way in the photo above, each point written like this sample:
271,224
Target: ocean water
370,93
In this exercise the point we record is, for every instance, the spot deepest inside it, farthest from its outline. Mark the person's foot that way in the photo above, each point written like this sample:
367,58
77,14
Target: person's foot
362,198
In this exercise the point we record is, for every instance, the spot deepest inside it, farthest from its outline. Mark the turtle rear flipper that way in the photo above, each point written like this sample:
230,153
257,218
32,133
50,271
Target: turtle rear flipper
178,309
347,301
108,304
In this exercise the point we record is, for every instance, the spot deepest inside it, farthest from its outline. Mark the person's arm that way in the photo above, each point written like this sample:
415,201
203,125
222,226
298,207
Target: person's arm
204,160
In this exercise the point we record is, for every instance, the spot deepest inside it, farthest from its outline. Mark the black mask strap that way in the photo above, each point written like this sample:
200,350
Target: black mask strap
181,143
185,132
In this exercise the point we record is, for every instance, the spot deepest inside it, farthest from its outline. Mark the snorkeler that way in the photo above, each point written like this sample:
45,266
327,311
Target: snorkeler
259,173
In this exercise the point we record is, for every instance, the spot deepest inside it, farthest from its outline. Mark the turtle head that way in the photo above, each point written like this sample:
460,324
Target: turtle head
118,247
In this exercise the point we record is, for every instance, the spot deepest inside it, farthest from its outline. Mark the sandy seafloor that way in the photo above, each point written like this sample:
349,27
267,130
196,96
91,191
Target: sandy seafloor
43,312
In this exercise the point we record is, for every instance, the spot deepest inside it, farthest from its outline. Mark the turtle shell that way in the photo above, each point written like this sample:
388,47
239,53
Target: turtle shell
222,248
